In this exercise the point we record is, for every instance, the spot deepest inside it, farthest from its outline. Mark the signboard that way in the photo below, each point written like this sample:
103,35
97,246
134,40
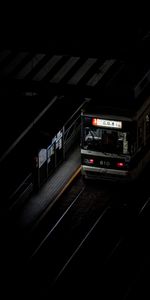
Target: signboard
106,123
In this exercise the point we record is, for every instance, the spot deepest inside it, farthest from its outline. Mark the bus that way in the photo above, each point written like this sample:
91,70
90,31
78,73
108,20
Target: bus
115,130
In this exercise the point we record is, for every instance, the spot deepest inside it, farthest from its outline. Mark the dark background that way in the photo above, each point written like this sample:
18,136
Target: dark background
101,29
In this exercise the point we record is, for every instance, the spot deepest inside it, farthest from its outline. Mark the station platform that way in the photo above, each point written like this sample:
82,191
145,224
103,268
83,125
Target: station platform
51,190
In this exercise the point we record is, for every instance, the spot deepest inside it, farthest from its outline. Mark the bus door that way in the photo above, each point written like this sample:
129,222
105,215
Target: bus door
59,148
51,157
55,152
42,166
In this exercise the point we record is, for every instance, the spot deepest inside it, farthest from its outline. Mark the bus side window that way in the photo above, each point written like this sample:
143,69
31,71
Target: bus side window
133,143
141,135
147,125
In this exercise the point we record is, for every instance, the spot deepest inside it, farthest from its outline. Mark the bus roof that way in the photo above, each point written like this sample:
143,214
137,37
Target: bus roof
125,95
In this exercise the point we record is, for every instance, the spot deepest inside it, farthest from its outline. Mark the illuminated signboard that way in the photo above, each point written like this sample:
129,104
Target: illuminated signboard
106,123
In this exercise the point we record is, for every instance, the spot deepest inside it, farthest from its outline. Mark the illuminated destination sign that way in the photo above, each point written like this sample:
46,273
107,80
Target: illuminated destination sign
106,123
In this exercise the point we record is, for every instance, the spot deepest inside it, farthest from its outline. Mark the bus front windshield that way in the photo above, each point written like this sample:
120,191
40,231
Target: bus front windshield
106,140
